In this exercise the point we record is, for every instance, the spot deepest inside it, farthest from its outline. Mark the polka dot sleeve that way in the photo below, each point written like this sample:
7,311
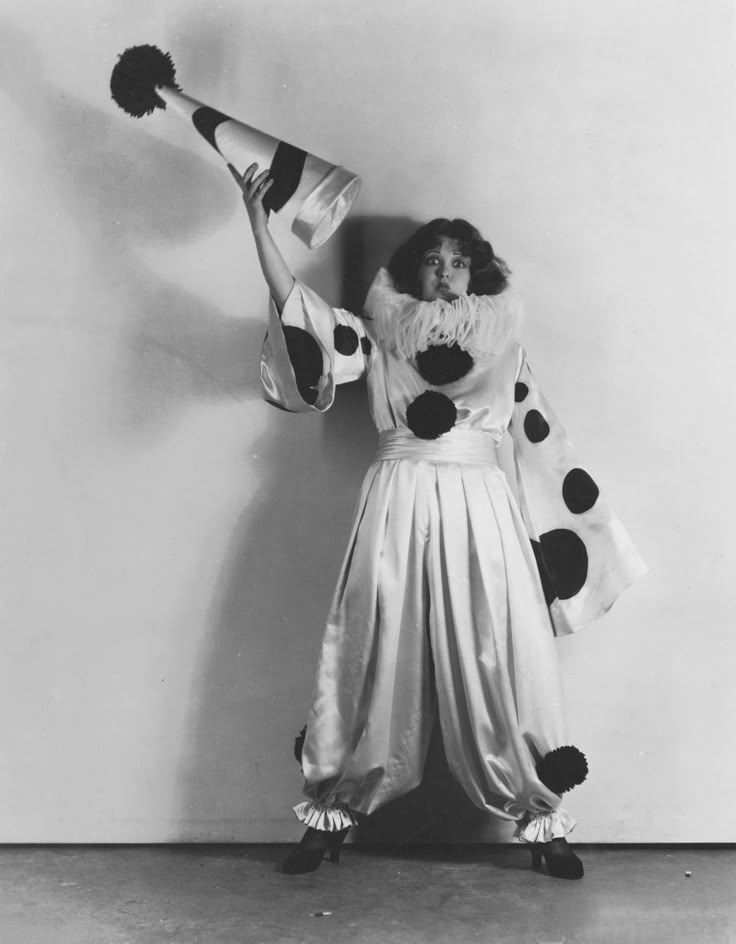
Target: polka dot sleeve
584,556
309,349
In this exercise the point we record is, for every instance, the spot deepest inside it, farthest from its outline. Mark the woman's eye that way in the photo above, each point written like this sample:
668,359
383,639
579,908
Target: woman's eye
461,264
431,261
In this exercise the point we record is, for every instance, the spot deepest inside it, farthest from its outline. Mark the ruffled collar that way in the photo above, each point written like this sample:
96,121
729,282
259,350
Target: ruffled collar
483,325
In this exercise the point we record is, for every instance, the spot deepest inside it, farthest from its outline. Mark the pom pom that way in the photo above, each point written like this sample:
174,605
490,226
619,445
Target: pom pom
443,363
137,73
299,744
431,415
562,769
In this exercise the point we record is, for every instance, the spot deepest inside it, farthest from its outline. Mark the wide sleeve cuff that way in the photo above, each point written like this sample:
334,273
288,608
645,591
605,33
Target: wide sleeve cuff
585,557
544,827
309,349
323,817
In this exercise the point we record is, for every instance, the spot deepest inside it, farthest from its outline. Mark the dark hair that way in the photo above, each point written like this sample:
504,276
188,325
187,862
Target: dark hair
488,273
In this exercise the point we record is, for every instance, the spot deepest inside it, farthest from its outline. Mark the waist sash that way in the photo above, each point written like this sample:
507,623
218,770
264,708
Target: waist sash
457,445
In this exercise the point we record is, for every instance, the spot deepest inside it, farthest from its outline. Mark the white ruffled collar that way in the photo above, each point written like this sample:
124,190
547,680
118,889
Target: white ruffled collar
483,325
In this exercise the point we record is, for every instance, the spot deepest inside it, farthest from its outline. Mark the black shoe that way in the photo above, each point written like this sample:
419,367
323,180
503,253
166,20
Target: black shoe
315,844
561,860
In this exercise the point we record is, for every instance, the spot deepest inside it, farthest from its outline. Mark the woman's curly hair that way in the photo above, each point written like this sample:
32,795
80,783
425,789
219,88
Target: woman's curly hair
488,274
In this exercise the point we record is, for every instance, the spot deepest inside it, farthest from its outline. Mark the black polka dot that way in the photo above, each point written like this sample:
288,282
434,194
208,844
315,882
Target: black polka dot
549,590
579,491
346,340
431,415
443,363
305,355
536,426
521,392
366,346
566,561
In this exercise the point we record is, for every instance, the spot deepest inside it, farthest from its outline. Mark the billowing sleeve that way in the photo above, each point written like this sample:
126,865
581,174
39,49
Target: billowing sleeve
585,557
309,349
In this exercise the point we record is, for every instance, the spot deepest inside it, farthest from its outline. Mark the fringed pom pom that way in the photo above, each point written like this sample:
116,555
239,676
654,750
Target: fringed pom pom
137,74
431,415
562,769
299,744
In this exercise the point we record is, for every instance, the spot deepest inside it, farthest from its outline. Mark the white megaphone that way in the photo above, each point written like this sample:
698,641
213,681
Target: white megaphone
311,195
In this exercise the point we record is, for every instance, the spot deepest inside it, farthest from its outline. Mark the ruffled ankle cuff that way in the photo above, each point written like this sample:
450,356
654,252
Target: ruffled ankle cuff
327,818
544,827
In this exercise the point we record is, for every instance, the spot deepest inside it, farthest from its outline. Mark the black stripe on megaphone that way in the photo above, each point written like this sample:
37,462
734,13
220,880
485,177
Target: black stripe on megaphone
286,167
206,120
286,170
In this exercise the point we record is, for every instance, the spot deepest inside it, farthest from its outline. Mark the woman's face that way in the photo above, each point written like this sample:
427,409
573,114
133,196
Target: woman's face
444,272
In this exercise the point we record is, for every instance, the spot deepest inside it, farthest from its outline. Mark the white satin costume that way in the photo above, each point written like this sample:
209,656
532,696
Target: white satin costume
439,605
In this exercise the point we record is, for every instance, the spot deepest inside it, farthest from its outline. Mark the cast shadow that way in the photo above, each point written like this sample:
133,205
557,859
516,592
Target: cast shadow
123,192
117,184
269,607
438,811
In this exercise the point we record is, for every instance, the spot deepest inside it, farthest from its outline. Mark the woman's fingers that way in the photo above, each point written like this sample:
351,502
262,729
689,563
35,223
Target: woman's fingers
257,183
245,180
252,187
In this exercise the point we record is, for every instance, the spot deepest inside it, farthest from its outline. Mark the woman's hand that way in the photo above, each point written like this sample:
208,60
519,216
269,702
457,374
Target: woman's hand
254,189
275,271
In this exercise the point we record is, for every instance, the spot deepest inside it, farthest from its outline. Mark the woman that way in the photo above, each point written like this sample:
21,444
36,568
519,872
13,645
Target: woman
450,592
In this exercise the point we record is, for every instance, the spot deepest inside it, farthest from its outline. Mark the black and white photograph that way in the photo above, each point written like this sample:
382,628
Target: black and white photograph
366,516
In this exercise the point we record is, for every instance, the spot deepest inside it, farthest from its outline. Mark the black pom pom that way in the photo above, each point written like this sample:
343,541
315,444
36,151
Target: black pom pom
443,363
299,744
562,769
137,73
431,415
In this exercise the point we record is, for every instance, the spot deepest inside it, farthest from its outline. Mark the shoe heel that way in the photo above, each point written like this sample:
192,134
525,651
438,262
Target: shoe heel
335,844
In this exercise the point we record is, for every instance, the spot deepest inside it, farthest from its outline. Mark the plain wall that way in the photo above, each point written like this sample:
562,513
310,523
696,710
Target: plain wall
169,542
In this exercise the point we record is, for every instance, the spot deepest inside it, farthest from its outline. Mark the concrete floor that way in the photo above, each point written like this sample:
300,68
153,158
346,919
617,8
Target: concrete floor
235,895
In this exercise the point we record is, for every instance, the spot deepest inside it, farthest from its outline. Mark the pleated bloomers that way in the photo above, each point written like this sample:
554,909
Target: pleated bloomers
451,592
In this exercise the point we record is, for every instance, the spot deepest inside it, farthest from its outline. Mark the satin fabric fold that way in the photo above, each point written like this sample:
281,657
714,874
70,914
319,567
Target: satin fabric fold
437,570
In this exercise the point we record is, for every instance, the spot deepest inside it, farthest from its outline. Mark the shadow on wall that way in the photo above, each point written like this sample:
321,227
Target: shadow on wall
252,691
121,189
125,190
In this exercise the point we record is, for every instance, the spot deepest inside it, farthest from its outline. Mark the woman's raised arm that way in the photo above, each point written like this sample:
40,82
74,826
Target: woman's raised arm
275,270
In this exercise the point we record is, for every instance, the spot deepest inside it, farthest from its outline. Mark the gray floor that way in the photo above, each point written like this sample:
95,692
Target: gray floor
229,894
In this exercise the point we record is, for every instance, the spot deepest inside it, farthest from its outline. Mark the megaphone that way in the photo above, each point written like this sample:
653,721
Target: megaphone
310,194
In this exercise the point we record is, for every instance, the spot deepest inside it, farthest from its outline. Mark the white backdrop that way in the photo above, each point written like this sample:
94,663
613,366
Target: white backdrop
168,542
